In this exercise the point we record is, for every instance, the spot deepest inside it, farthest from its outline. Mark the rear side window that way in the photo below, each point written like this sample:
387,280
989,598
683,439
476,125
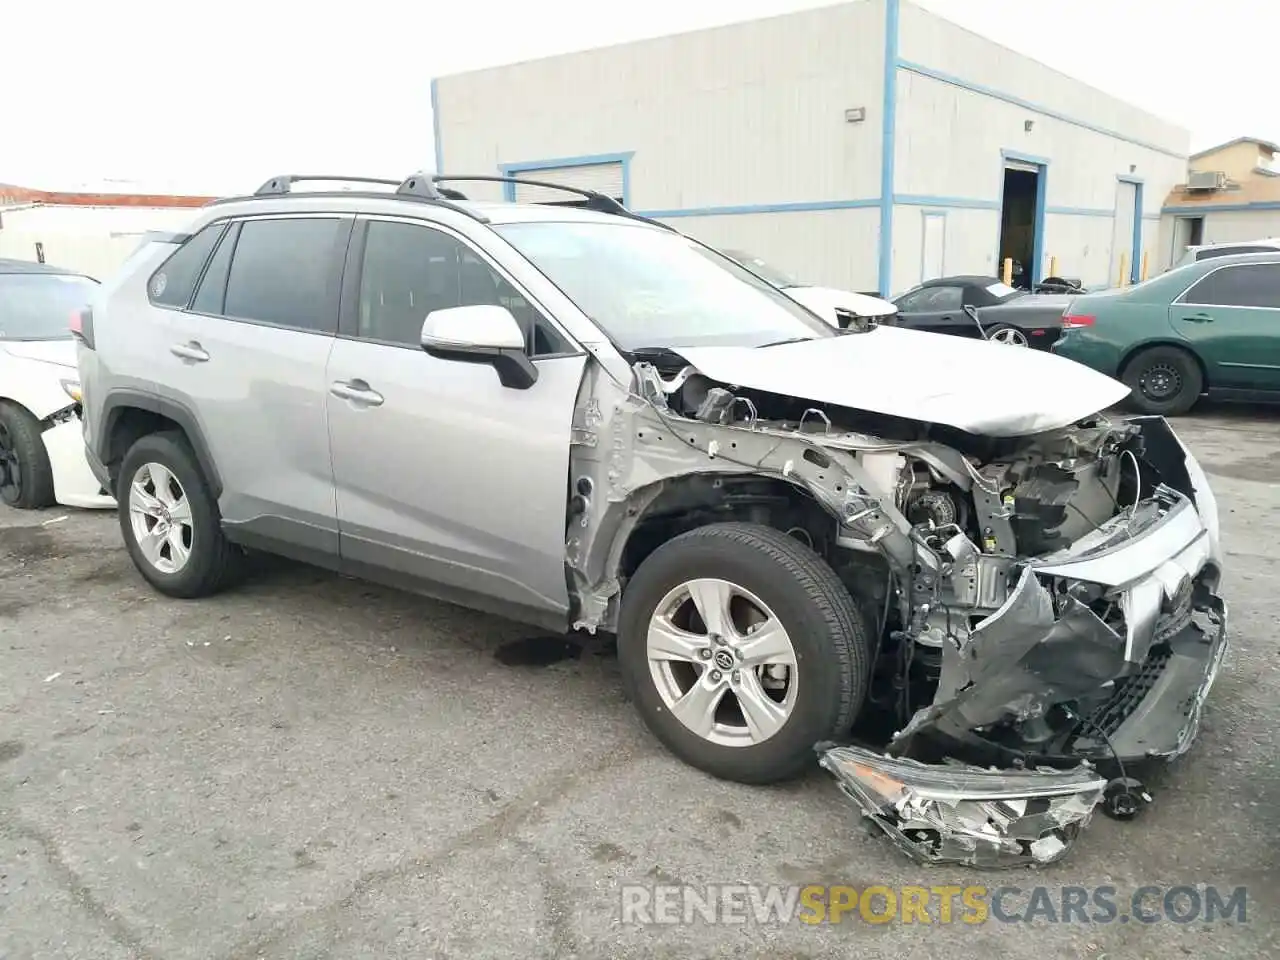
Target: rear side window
285,272
213,287
175,281
1246,285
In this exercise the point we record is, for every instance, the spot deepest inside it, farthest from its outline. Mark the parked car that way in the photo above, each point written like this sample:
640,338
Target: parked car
583,419
837,307
1006,314
1206,328
42,457
1209,251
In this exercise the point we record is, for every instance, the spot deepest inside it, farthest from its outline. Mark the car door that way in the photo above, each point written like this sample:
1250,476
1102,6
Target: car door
447,481
1231,317
249,354
936,308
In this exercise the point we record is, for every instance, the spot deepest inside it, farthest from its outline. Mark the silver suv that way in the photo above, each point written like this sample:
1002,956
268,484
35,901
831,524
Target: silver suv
581,419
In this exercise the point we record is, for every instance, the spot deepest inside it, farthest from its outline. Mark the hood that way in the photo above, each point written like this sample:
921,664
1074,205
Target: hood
61,352
824,301
973,385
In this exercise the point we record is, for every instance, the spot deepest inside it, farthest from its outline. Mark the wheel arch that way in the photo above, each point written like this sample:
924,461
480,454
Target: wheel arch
129,415
633,529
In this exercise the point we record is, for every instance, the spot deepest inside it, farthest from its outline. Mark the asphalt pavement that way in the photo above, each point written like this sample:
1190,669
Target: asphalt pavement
312,767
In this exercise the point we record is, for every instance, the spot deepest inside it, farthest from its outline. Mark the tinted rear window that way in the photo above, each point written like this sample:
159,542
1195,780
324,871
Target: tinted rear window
38,306
283,272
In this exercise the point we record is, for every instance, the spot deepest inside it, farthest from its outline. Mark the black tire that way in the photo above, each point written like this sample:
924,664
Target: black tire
828,634
214,562
26,476
1165,381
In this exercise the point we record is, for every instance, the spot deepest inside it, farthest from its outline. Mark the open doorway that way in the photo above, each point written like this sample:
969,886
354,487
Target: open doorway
1019,222
1187,232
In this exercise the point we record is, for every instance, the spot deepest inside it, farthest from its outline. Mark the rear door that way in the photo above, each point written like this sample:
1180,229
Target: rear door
1232,318
248,358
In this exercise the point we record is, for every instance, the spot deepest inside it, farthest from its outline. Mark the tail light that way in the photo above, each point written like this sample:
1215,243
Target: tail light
1073,321
82,326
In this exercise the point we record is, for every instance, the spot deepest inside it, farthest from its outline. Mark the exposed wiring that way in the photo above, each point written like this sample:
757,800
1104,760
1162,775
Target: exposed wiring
978,480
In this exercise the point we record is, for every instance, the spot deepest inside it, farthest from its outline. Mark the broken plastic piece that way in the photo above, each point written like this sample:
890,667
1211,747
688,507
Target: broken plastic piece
1124,798
955,813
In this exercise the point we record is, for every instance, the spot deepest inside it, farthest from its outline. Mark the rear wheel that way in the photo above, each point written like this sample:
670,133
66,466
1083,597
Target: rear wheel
170,520
26,476
1007,335
741,650
1164,380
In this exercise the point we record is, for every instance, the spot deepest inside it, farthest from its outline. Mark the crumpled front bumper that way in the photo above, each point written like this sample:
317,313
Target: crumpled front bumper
1125,688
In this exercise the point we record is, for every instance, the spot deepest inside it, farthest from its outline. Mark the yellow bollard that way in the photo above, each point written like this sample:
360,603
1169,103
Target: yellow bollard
1145,254
1008,271
1124,269
1053,266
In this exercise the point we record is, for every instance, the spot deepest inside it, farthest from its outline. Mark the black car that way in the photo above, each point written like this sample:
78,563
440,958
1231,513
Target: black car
1007,315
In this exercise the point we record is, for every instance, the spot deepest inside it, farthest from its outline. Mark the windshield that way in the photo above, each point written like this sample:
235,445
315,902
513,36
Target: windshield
647,287
38,306
760,268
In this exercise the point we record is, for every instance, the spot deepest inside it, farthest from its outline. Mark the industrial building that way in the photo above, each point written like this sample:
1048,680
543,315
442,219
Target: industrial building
88,230
868,145
1232,193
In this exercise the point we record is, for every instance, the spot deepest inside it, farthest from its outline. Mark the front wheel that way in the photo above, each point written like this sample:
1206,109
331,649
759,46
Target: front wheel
742,649
1164,380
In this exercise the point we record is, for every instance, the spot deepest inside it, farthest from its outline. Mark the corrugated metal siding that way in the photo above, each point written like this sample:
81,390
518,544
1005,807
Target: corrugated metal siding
606,178
950,141
751,113
824,247
93,240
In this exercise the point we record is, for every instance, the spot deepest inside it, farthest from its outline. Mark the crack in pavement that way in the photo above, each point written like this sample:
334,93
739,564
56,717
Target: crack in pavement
116,926
518,813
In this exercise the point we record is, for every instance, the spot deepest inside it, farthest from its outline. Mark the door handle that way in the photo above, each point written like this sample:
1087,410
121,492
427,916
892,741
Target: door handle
357,391
189,351
1198,318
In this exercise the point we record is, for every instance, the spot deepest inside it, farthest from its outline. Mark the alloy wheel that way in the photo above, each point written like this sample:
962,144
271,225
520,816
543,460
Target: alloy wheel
160,517
722,662
1010,337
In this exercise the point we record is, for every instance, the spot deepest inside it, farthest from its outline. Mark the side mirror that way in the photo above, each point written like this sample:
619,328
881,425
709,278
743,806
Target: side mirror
481,334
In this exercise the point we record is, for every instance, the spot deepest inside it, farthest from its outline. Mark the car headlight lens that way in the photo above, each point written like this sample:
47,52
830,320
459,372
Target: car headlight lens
72,388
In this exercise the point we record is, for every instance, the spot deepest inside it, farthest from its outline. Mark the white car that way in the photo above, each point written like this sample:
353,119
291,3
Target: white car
42,457
827,302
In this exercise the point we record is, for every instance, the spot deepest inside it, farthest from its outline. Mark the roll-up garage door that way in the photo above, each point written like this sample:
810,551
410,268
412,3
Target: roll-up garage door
603,178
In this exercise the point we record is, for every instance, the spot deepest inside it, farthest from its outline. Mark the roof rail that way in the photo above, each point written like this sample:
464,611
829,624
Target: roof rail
592,199
418,186
282,185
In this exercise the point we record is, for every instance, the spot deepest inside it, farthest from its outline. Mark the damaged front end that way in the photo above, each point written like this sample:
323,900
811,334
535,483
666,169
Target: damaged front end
1044,606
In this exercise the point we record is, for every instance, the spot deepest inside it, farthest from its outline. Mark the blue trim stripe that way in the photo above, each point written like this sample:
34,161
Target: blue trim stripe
956,203
1037,240
955,81
1200,208
1080,212
435,125
748,208
1135,259
554,163
888,142
1018,157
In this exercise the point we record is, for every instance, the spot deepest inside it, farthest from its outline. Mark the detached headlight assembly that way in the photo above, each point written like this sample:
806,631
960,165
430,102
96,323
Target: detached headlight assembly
955,813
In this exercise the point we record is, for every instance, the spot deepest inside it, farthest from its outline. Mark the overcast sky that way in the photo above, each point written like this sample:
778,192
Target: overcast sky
215,97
